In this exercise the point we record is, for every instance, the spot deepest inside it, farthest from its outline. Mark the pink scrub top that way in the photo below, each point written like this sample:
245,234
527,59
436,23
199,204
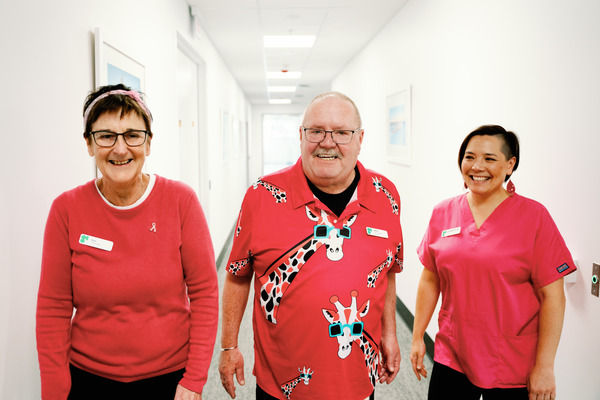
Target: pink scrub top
488,322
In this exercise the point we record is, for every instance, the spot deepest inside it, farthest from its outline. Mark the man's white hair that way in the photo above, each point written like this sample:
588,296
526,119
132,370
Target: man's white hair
339,95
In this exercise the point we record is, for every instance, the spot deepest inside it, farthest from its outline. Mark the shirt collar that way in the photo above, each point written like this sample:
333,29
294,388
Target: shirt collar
301,194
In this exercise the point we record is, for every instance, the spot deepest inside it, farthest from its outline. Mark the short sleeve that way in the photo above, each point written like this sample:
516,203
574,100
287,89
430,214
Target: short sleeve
552,259
398,264
424,250
240,258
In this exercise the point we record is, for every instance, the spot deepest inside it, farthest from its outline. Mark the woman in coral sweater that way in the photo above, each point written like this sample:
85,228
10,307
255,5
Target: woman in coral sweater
127,303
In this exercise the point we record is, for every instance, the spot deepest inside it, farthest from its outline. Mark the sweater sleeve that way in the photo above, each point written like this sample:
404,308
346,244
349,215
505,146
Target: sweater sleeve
55,307
197,257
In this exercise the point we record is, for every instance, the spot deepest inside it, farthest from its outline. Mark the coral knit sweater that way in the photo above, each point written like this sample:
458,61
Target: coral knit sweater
146,307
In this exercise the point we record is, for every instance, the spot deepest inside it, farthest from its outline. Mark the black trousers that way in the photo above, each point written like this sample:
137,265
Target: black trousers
85,385
262,395
447,383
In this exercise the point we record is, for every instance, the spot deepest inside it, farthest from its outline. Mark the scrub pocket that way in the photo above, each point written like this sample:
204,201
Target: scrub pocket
517,357
477,350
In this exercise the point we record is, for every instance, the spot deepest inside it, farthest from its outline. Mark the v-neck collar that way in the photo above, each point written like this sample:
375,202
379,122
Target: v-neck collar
469,213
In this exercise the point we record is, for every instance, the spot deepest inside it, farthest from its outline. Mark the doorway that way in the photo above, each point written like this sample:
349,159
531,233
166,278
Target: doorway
191,121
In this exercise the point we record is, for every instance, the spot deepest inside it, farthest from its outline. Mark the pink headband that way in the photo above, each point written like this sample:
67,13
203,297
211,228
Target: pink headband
131,93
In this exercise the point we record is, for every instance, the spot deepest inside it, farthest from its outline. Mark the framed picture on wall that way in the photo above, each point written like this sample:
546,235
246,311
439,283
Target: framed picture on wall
399,130
112,66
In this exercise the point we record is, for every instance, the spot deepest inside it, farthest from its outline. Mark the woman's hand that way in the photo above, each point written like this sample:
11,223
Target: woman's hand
186,394
541,384
417,353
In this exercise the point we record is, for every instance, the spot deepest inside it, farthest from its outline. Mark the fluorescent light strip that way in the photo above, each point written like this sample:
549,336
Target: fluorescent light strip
280,101
284,75
289,41
281,89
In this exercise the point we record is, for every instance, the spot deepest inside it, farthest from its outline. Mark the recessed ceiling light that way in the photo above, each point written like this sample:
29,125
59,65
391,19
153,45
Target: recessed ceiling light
280,101
283,41
284,75
281,89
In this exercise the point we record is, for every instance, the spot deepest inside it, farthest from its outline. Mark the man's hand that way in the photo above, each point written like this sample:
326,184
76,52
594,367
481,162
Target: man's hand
390,357
231,363
417,353
541,384
186,394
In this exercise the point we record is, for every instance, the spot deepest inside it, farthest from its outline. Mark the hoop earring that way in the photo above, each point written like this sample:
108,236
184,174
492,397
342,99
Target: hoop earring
510,187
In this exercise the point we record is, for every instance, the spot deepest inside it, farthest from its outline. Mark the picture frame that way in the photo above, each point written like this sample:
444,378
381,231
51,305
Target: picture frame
112,66
399,127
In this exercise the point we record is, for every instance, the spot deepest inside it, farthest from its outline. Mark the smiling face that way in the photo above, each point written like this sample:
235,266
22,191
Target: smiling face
484,166
120,165
328,165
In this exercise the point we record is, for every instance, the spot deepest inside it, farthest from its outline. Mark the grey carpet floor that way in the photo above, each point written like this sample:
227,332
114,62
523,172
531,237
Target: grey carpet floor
404,387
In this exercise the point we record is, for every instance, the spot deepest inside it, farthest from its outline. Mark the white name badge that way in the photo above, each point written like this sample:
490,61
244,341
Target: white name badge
98,243
450,232
377,232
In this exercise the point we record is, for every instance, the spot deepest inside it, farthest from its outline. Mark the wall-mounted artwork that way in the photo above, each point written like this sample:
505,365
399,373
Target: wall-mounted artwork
112,66
399,132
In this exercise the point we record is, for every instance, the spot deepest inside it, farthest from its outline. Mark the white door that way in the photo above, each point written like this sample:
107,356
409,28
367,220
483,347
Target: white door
187,115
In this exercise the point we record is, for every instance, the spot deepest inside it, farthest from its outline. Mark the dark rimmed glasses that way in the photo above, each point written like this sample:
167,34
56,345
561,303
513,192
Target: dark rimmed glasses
132,137
339,136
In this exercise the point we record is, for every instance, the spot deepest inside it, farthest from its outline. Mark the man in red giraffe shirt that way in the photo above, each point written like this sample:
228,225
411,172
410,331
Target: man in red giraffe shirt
322,240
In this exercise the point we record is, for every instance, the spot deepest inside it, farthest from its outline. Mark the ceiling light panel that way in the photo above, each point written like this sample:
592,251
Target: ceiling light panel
280,101
281,89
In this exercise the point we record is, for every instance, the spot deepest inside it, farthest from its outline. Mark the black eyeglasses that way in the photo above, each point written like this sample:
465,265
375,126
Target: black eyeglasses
339,136
132,137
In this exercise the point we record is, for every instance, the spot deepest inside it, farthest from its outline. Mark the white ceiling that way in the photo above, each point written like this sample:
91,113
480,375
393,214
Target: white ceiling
342,28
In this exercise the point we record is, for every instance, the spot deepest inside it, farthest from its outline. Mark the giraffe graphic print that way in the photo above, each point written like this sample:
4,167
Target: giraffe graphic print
237,266
280,275
288,387
373,275
279,195
380,187
346,325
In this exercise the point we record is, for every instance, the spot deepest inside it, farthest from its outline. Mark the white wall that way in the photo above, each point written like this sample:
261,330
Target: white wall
531,66
47,69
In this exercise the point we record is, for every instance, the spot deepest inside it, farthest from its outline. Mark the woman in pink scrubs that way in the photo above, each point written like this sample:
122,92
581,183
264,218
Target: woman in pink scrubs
498,260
